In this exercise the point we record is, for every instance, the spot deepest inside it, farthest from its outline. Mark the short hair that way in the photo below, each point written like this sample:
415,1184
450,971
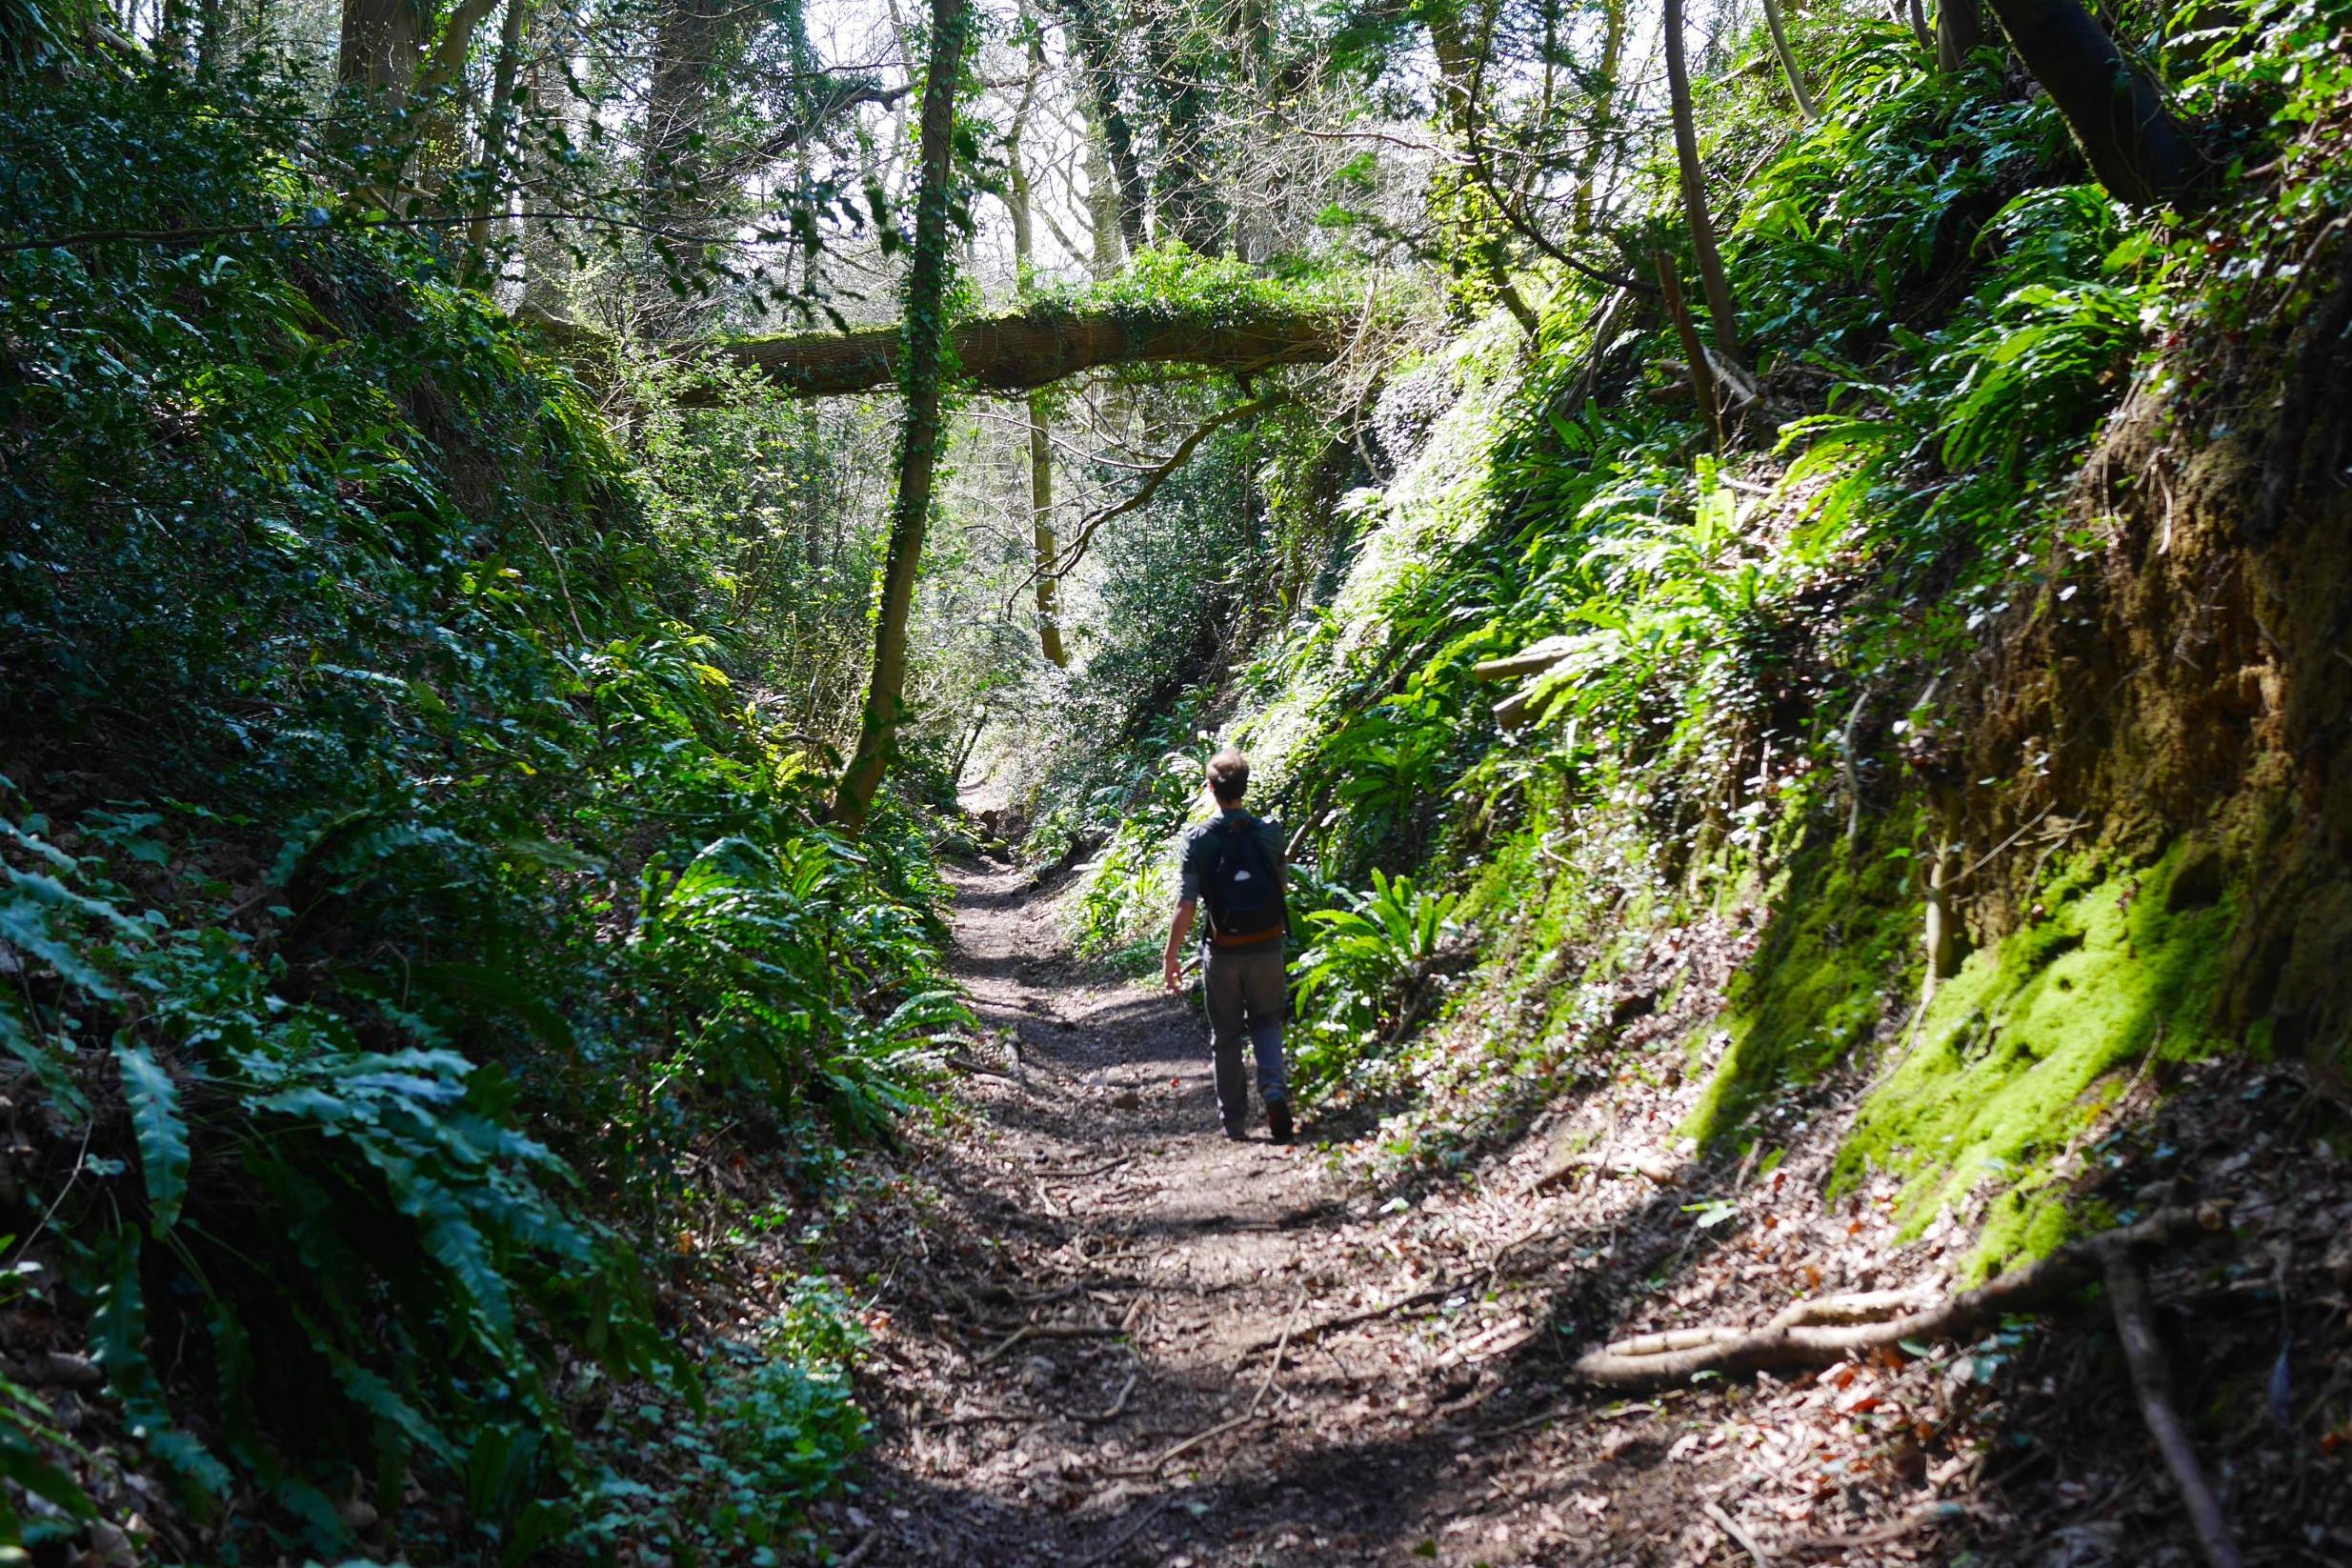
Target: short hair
1229,776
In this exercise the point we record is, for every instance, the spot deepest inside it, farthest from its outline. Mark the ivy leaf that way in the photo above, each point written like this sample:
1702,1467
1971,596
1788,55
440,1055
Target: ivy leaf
162,1132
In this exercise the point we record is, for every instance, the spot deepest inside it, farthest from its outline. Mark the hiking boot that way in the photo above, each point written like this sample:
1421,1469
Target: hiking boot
1237,1134
1279,1120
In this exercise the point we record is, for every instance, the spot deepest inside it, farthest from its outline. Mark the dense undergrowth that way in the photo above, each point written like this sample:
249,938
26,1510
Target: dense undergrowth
1773,670
406,899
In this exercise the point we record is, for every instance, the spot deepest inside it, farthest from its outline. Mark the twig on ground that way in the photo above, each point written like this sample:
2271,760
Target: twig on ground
1366,1315
1892,1531
1091,1170
1089,1417
2127,1293
1043,1331
1154,1466
863,1550
1275,1363
1740,1539
1799,1337
1112,1547
1060,1293
965,1064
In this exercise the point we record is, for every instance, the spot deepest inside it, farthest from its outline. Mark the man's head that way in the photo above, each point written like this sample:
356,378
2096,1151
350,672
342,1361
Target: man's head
1228,777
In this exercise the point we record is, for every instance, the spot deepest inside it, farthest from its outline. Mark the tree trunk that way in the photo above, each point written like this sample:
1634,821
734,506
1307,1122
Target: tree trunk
1711,280
1035,348
686,43
1702,374
547,260
1185,196
1788,61
1104,209
1960,31
175,33
499,132
922,426
1046,545
1604,121
1098,55
1047,548
381,45
680,188
1458,84
2135,147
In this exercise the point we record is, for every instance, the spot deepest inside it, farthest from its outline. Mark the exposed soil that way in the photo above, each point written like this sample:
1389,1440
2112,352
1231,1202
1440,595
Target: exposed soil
1103,1334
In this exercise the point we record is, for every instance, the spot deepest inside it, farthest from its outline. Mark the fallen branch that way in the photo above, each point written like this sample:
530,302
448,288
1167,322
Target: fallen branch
1740,1539
1116,1405
1531,660
1265,1383
1799,1337
1657,1167
1030,348
2127,1293
1063,564
1366,1315
1044,1331
1105,1167
1110,1547
965,1064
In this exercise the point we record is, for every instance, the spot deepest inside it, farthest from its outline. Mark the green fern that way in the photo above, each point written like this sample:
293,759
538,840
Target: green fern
162,1134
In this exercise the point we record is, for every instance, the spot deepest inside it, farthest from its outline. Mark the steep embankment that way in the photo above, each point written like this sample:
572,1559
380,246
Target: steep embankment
1984,692
1927,814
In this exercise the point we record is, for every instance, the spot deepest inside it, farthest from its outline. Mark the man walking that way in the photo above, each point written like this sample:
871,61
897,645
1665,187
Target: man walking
1234,862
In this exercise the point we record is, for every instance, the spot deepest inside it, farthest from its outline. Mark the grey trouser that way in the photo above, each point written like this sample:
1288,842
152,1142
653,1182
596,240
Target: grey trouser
1237,981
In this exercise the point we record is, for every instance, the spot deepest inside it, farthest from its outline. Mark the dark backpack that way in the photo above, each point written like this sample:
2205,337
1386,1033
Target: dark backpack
1244,885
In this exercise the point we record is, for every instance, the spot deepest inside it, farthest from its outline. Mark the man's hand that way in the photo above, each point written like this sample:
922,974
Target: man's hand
1171,963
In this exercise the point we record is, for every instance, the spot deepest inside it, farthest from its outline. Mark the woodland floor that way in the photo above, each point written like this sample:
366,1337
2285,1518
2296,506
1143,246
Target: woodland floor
1080,1296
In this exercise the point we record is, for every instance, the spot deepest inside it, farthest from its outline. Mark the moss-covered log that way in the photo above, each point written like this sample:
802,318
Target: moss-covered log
1037,347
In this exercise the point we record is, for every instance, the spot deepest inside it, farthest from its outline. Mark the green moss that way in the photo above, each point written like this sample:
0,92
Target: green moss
1843,936
2020,1053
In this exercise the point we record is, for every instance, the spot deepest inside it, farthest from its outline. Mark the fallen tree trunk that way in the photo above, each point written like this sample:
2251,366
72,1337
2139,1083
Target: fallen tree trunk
1035,347
1818,1333
1531,660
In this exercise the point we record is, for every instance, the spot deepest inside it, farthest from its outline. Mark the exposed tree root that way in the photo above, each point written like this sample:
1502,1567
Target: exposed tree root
1657,1167
1739,1538
2127,1293
1818,1333
1365,1315
1044,1331
1112,1412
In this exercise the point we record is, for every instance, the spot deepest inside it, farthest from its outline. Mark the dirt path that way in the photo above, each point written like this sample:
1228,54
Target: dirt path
1094,1195
1103,1334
